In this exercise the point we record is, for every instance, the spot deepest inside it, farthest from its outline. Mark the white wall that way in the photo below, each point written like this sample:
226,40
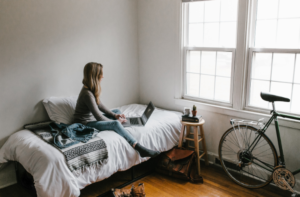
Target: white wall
159,59
44,46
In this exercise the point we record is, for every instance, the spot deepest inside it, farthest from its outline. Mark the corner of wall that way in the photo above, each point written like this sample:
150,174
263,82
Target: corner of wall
138,50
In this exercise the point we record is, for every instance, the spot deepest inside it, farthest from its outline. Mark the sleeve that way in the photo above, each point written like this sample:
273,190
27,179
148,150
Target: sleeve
92,105
105,110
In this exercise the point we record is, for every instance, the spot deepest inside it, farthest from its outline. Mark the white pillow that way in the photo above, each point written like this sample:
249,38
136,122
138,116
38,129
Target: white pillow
61,109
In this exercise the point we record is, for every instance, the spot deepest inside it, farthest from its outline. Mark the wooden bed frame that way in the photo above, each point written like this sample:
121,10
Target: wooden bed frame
135,173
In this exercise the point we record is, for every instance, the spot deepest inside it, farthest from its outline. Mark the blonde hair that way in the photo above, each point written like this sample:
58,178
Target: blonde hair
92,74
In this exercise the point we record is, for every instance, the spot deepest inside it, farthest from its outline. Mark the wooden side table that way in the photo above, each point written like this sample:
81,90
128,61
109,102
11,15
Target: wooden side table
196,139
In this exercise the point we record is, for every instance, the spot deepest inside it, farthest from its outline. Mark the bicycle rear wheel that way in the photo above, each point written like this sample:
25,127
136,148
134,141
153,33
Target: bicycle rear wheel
247,167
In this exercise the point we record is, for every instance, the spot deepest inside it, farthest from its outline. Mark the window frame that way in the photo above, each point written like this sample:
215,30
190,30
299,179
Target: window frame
238,110
250,50
213,49
185,49
248,88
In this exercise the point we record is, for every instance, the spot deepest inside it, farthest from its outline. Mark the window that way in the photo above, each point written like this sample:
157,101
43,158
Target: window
209,50
274,55
235,49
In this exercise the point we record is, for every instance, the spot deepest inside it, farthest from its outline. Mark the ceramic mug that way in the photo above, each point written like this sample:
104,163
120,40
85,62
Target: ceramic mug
186,111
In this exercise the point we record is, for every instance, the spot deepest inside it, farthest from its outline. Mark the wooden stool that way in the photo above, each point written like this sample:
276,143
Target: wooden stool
196,140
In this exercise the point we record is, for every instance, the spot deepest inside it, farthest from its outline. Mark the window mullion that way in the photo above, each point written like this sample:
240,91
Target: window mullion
240,55
272,60
293,82
277,19
248,83
215,76
200,73
187,25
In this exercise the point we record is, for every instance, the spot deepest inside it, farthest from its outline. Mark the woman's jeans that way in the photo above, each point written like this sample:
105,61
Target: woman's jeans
114,125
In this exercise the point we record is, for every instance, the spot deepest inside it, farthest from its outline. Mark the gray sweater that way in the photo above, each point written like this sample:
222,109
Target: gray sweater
87,108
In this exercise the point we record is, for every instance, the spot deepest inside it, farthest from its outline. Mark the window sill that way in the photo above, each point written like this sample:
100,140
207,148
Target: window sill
234,113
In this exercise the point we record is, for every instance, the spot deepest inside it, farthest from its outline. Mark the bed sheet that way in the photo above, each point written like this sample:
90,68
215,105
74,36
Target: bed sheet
51,174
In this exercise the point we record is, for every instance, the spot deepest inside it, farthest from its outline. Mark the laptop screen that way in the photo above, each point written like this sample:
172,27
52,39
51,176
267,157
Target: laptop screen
147,113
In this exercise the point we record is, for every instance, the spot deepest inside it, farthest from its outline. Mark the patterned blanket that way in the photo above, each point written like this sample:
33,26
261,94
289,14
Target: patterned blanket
78,156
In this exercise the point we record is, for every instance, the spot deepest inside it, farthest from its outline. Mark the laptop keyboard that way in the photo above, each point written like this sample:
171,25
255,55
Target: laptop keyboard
134,121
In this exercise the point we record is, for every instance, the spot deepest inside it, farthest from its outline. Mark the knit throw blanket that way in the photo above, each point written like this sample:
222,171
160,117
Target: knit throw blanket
78,156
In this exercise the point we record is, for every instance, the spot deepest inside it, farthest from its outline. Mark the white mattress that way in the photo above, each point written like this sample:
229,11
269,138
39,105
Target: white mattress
47,164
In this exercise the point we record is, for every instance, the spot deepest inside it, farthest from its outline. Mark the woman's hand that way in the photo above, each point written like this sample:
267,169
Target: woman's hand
117,116
121,118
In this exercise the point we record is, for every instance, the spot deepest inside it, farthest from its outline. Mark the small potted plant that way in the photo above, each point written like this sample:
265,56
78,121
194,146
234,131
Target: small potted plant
194,112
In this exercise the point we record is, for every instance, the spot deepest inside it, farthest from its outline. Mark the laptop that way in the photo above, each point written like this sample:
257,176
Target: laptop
140,121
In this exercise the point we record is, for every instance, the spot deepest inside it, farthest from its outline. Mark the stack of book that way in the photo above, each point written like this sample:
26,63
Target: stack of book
191,118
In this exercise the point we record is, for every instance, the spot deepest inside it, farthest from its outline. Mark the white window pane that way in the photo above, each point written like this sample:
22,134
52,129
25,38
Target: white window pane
222,92
207,84
224,61
261,66
194,62
283,67
208,62
296,99
192,84
212,11
227,34
267,9
288,33
289,8
297,70
196,34
282,89
265,33
196,12
229,10
257,87
211,34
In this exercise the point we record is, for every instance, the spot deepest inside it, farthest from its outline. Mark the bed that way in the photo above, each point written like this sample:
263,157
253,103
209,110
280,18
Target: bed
47,164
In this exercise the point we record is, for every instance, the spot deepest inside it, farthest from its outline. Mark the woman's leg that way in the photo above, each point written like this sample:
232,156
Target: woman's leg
116,111
114,125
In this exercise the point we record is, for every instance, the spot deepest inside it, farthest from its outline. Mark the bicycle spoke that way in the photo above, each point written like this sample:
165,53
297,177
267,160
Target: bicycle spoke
260,146
237,138
264,162
262,152
230,148
249,139
233,143
233,139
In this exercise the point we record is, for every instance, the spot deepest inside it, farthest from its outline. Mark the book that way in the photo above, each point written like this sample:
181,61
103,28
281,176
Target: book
191,118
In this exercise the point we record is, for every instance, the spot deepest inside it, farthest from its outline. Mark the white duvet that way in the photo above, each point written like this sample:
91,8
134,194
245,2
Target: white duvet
47,164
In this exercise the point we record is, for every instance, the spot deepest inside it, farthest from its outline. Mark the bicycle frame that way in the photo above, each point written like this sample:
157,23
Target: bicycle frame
263,130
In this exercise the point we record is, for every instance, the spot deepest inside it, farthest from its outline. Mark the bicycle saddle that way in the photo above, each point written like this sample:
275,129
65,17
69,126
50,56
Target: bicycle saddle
273,98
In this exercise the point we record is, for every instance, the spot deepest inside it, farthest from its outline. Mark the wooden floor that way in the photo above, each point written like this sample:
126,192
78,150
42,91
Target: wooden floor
216,183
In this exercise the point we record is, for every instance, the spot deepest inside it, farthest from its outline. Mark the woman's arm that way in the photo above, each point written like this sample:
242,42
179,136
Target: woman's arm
105,110
93,107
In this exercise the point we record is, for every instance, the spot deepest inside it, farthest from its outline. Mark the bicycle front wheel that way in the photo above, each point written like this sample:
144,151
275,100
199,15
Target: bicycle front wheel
247,156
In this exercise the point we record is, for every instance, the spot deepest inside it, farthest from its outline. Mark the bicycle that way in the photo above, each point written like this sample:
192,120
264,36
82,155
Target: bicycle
249,157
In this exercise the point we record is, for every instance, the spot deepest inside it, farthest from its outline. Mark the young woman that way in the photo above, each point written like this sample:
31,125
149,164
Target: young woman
89,106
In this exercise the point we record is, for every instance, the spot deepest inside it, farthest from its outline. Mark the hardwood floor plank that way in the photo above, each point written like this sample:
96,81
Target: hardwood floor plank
216,184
